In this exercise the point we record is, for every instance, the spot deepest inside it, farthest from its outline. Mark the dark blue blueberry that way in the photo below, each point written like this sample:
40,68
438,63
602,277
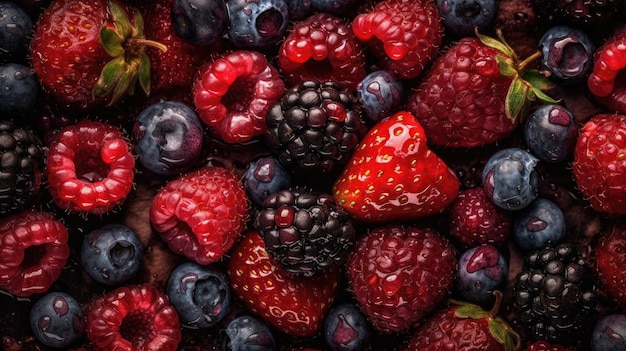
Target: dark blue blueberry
299,9
57,320
247,333
200,294
550,132
609,333
510,179
168,137
346,328
16,29
112,254
482,269
257,24
265,176
200,22
19,89
334,7
460,17
567,54
380,94
540,224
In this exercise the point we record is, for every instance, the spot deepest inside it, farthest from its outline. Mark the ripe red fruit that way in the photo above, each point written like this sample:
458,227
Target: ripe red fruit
33,251
610,256
201,213
295,305
393,175
604,82
133,318
399,274
543,345
599,164
90,167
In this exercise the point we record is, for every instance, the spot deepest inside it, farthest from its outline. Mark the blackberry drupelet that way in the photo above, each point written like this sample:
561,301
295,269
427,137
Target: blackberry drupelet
555,294
315,126
21,167
305,231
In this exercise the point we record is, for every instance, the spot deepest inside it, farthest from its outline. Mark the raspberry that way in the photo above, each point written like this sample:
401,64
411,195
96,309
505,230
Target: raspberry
33,251
90,167
605,80
201,213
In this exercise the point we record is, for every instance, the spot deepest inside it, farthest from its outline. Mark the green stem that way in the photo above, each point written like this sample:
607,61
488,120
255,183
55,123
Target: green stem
141,42
522,65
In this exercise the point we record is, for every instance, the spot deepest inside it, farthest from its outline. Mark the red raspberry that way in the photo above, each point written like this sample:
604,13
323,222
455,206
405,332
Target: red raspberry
201,214
90,167
322,48
404,34
610,256
543,345
133,318
605,80
33,251
234,92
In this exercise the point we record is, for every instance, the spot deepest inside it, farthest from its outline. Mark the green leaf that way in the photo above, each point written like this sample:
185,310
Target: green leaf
122,86
497,331
111,41
144,74
109,77
471,311
544,97
516,98
496,44
120,18
504,335
505,67
138,25
538,80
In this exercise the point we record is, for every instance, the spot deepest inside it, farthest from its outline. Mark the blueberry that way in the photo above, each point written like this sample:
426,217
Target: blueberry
609,333
299,9
482,269
257,24
57,320
334,7
380,94
460,17
246,333
567,54
200,22
168,137
19,89
200,294
346,328
265,176
16,29
550,132
510,179
540,224
112,254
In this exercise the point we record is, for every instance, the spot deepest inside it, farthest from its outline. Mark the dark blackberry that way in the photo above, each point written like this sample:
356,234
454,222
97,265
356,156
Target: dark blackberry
315,126
21,167
555,294
305,231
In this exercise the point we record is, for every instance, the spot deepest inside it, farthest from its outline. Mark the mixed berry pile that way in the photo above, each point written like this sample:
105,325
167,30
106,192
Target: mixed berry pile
313,175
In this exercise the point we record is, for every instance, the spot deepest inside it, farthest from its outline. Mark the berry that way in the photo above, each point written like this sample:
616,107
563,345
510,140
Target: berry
462,17
550,132
200,294
90,167
265,176
133,317
605,81
542,345
510,178
609,333
482,270
34,251
346,328
567,54
246,333
299,9
399,274
257,25
112,254
540,224
610,257
57,320
168,137
16,30
201,213
19,89
381,95
200,23
234,92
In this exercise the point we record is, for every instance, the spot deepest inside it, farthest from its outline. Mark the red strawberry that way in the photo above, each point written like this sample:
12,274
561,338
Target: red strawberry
610,256
599,164
86,52
33,251
403,34
399,274
606,80
393,175
201,213
134,318
295,305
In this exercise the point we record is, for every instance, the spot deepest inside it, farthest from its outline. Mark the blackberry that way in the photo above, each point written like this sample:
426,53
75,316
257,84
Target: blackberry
315,125
555,294
21,167
305,231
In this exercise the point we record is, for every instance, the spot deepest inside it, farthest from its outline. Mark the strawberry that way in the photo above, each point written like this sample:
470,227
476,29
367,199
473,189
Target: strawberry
295,305
610,257
89,52
393,175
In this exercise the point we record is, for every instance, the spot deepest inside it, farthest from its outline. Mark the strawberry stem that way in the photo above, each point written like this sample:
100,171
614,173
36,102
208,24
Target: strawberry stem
142,42
496,305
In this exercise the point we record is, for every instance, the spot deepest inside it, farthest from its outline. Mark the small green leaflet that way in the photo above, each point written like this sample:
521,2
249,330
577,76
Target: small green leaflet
516,98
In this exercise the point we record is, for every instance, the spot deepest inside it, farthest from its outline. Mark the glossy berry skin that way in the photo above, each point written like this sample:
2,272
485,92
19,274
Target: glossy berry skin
542,345
265,176
608,62
200,294
610,256
168,137
567,54
19,90
57,320
200,23
16,30
540,224
550,132
510,179
346,328
257,25
598,165
482,269
609,333
380,94
461,17
247,333
112,254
